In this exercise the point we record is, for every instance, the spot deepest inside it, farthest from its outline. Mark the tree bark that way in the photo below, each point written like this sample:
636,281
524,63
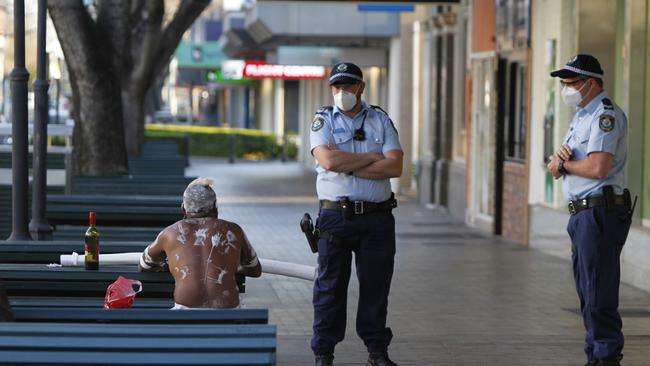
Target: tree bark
151,50
113,61
98,136
133,114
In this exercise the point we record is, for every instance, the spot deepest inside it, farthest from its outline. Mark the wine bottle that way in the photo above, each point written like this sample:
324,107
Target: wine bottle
91,245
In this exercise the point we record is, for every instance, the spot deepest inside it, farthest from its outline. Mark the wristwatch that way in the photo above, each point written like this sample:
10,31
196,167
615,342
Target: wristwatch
560,168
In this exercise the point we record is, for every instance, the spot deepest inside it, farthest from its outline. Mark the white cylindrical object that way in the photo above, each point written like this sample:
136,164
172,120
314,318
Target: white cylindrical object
106,259
269,266
288,269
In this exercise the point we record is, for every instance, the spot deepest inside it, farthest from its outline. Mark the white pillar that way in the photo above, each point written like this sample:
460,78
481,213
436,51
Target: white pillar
265,103
394,93
416,96
278,109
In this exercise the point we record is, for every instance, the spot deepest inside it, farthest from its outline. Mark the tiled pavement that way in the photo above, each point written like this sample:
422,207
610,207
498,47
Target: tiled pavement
459,296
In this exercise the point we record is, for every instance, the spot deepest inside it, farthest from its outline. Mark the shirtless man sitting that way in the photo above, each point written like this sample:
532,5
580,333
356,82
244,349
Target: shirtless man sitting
202,252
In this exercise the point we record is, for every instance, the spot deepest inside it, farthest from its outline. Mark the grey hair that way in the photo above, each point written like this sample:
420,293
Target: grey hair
199,196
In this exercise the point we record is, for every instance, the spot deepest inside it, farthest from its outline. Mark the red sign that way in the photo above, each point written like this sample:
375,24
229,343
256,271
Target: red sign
262,70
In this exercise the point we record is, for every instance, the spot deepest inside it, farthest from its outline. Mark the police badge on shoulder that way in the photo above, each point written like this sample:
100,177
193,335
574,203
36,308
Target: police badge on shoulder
606,122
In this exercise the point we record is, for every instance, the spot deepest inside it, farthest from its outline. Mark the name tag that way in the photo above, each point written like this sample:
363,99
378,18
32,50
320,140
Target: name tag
339,130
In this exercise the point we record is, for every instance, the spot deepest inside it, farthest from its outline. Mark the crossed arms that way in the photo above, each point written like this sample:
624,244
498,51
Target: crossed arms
363,165
595,166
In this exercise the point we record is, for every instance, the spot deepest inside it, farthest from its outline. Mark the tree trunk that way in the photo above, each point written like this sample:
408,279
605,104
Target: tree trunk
133,114
98,136
112,61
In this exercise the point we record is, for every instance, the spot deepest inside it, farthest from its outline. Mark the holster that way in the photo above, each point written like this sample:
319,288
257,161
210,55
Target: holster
311,233
608,196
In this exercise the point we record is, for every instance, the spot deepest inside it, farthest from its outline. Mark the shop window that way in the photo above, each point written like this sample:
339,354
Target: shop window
515,141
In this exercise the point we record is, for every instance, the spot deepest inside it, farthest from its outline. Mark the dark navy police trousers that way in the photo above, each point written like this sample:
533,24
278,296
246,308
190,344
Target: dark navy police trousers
371,237
597,237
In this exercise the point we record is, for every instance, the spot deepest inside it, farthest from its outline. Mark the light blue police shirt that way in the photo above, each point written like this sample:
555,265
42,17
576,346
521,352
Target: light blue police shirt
331,126
601,126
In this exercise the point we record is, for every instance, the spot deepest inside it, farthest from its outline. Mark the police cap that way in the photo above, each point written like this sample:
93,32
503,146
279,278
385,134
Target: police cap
345,73
580,65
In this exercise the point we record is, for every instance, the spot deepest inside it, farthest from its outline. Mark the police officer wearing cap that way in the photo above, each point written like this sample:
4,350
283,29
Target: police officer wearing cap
591,163
357,151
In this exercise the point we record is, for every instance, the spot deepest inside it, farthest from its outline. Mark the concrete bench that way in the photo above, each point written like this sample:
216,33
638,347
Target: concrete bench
139,344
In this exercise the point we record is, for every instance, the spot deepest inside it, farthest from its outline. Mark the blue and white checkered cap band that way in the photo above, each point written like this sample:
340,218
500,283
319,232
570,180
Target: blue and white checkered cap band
582,72
345,74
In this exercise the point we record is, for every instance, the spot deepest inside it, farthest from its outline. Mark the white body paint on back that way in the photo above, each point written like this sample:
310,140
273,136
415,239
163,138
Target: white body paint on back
183,232
184,271
200,236
230,237
219,279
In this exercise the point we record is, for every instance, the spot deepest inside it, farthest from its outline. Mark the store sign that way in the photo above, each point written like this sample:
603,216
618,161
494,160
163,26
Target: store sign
238,69
233,69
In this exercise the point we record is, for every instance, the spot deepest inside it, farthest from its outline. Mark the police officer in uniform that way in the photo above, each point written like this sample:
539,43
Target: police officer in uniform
357,150
591,163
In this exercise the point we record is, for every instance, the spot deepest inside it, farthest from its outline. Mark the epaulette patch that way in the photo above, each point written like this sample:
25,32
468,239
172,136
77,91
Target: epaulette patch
607,104
379,109
323,109
606,122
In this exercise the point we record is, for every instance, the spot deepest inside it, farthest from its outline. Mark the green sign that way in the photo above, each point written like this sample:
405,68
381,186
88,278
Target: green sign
200,55
216,76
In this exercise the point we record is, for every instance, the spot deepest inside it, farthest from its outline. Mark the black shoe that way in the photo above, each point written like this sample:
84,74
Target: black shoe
592,363
325,360
379,359
614,361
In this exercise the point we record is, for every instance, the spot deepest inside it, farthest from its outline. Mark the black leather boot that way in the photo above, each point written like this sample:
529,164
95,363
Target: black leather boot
379,359
325,360
615,361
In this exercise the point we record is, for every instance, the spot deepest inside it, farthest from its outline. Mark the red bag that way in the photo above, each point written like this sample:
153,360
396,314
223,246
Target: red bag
120,294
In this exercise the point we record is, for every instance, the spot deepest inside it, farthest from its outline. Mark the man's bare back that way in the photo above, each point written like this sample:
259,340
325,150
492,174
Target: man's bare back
203,255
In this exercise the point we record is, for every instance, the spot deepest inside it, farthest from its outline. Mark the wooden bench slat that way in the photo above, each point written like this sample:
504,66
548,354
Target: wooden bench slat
113,200
76,314
129,343
154,330
82,302
150,358
27,279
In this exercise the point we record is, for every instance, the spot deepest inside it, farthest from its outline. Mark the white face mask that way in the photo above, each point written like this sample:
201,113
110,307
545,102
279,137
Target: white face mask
345,101
572,97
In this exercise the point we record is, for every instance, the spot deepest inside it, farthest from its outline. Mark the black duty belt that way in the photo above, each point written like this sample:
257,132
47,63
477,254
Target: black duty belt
359,207
585,203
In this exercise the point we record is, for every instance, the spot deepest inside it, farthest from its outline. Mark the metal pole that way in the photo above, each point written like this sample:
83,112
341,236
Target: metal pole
19,78
38,226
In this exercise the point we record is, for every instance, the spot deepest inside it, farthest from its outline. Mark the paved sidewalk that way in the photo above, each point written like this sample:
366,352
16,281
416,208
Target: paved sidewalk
459,296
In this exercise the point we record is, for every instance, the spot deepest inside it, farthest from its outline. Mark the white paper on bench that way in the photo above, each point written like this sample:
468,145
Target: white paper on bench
269,266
